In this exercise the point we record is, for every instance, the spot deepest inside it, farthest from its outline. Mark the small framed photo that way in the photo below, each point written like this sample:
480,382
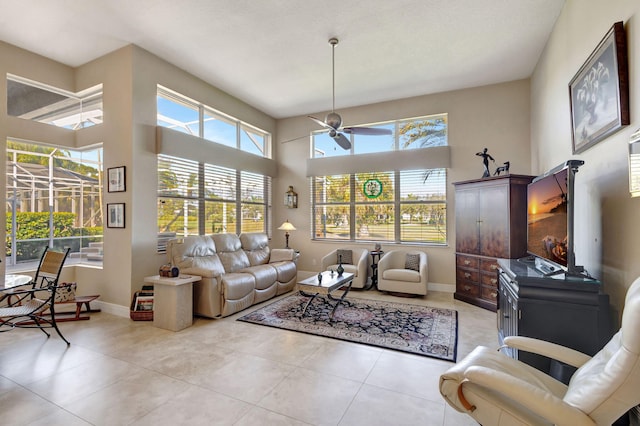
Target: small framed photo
115,215
116,179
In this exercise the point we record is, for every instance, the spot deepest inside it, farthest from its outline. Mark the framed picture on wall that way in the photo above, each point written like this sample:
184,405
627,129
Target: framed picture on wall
599,92
115,215
116,179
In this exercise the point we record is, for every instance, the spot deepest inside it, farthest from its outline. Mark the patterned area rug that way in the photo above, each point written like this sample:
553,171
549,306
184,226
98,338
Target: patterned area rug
419,330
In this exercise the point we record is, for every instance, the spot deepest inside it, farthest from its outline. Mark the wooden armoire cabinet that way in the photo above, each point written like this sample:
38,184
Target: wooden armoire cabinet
491,223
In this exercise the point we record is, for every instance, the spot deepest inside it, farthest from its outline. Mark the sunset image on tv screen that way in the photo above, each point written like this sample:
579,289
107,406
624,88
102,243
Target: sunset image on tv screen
547,217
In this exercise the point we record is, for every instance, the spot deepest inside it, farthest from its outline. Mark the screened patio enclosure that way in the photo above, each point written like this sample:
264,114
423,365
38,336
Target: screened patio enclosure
51,205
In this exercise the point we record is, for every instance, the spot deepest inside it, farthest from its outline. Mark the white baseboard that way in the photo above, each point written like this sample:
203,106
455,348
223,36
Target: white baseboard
445,288
113,309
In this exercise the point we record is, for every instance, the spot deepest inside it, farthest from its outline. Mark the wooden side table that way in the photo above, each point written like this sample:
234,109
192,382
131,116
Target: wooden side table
172,301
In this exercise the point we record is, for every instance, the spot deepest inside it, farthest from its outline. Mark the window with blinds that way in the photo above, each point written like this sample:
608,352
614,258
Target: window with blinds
395,206
197,199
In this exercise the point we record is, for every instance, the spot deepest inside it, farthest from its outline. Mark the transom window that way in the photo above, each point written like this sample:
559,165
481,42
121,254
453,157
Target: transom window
414,133
185,115
35,101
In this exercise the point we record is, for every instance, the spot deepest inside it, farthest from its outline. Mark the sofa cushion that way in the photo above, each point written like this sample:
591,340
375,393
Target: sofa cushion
401,275
286,271
237,285
256,246
230,251
265,275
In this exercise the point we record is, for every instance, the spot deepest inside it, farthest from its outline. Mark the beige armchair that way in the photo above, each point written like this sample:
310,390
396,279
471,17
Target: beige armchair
497,390
359,266
394,274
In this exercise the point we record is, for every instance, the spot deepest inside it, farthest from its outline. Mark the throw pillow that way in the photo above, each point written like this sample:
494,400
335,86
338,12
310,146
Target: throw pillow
412,261
66,292
347,256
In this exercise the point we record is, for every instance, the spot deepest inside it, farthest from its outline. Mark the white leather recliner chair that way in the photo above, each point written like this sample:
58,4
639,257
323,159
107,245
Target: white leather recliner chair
495,389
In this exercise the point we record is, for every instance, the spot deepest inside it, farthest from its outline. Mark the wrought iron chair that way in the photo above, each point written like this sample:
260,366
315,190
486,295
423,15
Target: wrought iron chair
33,306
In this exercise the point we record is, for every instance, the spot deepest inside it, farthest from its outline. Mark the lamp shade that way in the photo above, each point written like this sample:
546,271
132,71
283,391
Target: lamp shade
287,226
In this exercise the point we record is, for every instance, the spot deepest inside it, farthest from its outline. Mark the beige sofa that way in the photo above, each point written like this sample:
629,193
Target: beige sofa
236,271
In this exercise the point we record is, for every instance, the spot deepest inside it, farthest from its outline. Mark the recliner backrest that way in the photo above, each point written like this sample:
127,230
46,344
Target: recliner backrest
256,246
195,251
606,386
229,248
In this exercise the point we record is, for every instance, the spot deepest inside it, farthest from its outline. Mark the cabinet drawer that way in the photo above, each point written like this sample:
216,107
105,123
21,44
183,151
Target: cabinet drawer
469,262
467,288
489,280
463,274
490,293
489,265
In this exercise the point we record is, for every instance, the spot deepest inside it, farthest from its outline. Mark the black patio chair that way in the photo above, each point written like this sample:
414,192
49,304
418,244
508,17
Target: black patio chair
34,306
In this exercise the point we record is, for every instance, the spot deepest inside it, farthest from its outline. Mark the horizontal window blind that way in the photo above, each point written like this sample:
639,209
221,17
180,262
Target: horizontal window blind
400,206
197,198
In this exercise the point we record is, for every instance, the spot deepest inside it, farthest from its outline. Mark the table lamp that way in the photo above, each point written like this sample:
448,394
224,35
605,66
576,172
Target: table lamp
286,227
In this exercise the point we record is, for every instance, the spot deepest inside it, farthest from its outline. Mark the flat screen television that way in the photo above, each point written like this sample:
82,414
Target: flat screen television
550,202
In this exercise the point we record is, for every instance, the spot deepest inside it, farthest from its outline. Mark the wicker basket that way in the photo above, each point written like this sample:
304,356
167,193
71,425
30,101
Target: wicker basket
139,315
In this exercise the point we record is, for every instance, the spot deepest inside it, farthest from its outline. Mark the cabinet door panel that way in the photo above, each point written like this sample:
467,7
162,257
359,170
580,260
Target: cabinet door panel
494,221
467,240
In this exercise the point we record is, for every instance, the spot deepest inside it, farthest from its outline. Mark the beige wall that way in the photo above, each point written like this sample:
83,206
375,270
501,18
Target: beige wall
495,117
607,218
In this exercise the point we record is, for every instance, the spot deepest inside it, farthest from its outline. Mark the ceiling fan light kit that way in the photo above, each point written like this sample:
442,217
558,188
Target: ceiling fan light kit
333,120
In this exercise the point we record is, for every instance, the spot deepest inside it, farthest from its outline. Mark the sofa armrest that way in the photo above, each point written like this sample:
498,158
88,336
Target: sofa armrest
279,255
202,272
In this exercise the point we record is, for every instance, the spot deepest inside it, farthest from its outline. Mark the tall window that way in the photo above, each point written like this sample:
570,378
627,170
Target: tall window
197,198
387,205
53,199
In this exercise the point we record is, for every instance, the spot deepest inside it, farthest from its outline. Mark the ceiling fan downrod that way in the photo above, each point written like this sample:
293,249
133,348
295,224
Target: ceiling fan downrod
333,41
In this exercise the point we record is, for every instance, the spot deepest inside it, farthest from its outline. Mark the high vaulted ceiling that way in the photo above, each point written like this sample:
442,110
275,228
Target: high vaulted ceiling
275,55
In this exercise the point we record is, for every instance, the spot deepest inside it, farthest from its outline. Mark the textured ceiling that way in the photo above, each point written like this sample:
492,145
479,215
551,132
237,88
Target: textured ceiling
274,54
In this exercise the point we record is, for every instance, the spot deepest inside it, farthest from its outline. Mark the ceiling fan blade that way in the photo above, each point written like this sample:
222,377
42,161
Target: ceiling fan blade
373,131
342,141
320,122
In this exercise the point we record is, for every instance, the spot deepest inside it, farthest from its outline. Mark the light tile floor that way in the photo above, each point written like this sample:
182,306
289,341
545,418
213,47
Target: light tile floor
225,372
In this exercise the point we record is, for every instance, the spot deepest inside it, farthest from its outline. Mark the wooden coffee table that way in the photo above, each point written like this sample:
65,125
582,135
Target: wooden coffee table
330,282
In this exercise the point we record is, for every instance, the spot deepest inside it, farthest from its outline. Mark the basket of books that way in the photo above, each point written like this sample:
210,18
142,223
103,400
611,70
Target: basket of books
142,304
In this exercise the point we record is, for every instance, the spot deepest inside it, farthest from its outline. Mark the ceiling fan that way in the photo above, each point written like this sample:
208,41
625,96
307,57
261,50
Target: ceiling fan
333,121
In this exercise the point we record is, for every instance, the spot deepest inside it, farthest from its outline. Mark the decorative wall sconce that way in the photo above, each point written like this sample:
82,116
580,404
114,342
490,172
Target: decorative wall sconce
291,198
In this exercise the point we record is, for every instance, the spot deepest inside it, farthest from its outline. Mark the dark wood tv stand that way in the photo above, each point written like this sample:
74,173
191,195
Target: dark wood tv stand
568,310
